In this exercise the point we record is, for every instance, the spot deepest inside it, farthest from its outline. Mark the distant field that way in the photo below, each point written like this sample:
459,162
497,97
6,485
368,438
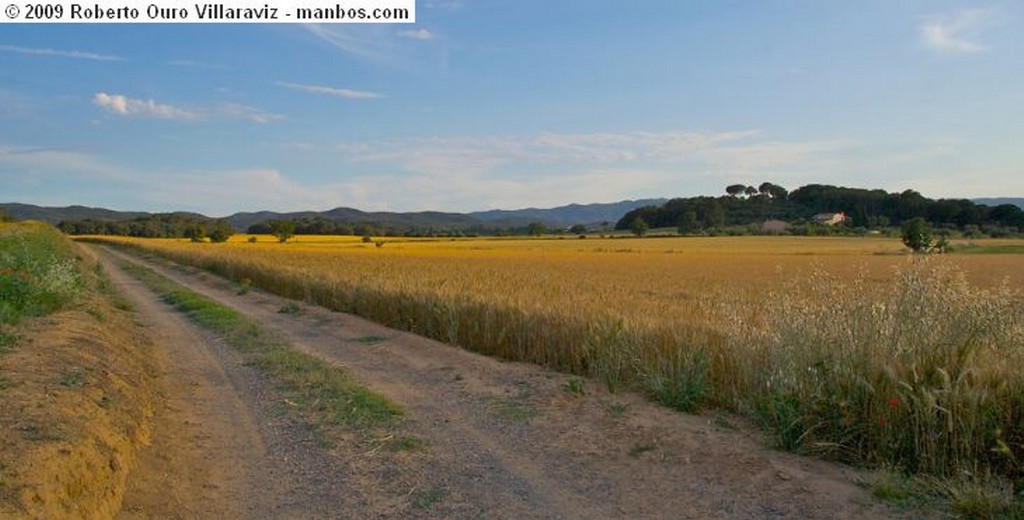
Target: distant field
847,347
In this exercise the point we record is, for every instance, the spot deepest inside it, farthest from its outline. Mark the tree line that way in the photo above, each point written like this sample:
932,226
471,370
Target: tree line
159,225
867,209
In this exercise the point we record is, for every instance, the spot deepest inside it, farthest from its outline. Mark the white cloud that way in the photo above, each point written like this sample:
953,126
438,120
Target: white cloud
553,169
249,189
382,45
331,91
364,41
25,160
125,106
129,107
954,32
62,54
417,34
247,113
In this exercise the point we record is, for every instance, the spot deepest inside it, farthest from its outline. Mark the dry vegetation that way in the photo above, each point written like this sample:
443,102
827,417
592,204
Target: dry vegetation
843,347
75,381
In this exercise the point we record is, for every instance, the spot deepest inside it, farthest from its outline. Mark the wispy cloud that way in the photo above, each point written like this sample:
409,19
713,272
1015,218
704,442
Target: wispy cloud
955,33
124,106
81,55
382,45
553,169
331,91
366,42
262,188
247,113
417,34
68,162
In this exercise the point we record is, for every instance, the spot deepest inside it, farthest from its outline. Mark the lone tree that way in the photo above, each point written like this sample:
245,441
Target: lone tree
917,235
735,190
639,227
282,229
535,229
578,229
219,231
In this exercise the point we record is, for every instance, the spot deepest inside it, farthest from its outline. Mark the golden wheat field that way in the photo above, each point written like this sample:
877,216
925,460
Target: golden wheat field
846,347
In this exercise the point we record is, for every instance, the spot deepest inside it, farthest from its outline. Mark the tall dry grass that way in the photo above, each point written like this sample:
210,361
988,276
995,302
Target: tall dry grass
904,363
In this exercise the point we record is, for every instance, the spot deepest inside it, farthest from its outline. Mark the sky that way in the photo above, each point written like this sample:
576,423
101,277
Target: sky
488,104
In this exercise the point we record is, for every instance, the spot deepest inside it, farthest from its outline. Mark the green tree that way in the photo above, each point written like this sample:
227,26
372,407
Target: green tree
195,233
735,190
714,214
282,229
917,235
639,227
535,229
688,223
578,229
219,231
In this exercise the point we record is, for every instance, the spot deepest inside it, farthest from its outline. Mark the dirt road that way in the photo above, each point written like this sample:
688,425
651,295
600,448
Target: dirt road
500,440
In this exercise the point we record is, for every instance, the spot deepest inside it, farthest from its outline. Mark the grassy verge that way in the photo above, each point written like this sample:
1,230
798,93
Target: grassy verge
38,274
322,392
76,381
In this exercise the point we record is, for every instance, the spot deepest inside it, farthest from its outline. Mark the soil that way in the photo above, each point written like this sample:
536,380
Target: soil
499,439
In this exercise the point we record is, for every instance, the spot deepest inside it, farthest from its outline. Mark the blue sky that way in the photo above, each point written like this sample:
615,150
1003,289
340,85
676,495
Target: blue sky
506,104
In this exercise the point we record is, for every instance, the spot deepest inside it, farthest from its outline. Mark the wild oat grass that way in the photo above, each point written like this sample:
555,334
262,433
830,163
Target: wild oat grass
842,347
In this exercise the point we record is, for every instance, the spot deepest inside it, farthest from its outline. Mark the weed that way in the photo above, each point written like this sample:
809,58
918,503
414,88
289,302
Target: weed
73,378
640,448
244,286
5,383
370,340
574,385
513,410
290,308
404,443
616,408
891,486
427,499
7,341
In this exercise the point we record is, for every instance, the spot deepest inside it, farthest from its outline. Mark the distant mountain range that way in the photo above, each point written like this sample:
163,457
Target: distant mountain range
563,216
1016,201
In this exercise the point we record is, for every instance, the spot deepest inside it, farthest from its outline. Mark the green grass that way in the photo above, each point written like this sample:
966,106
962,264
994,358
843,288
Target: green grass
7,342
370,340
290,308
322,391
428,498
39,273
574,385
73,378
615,408
640,448
512,409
